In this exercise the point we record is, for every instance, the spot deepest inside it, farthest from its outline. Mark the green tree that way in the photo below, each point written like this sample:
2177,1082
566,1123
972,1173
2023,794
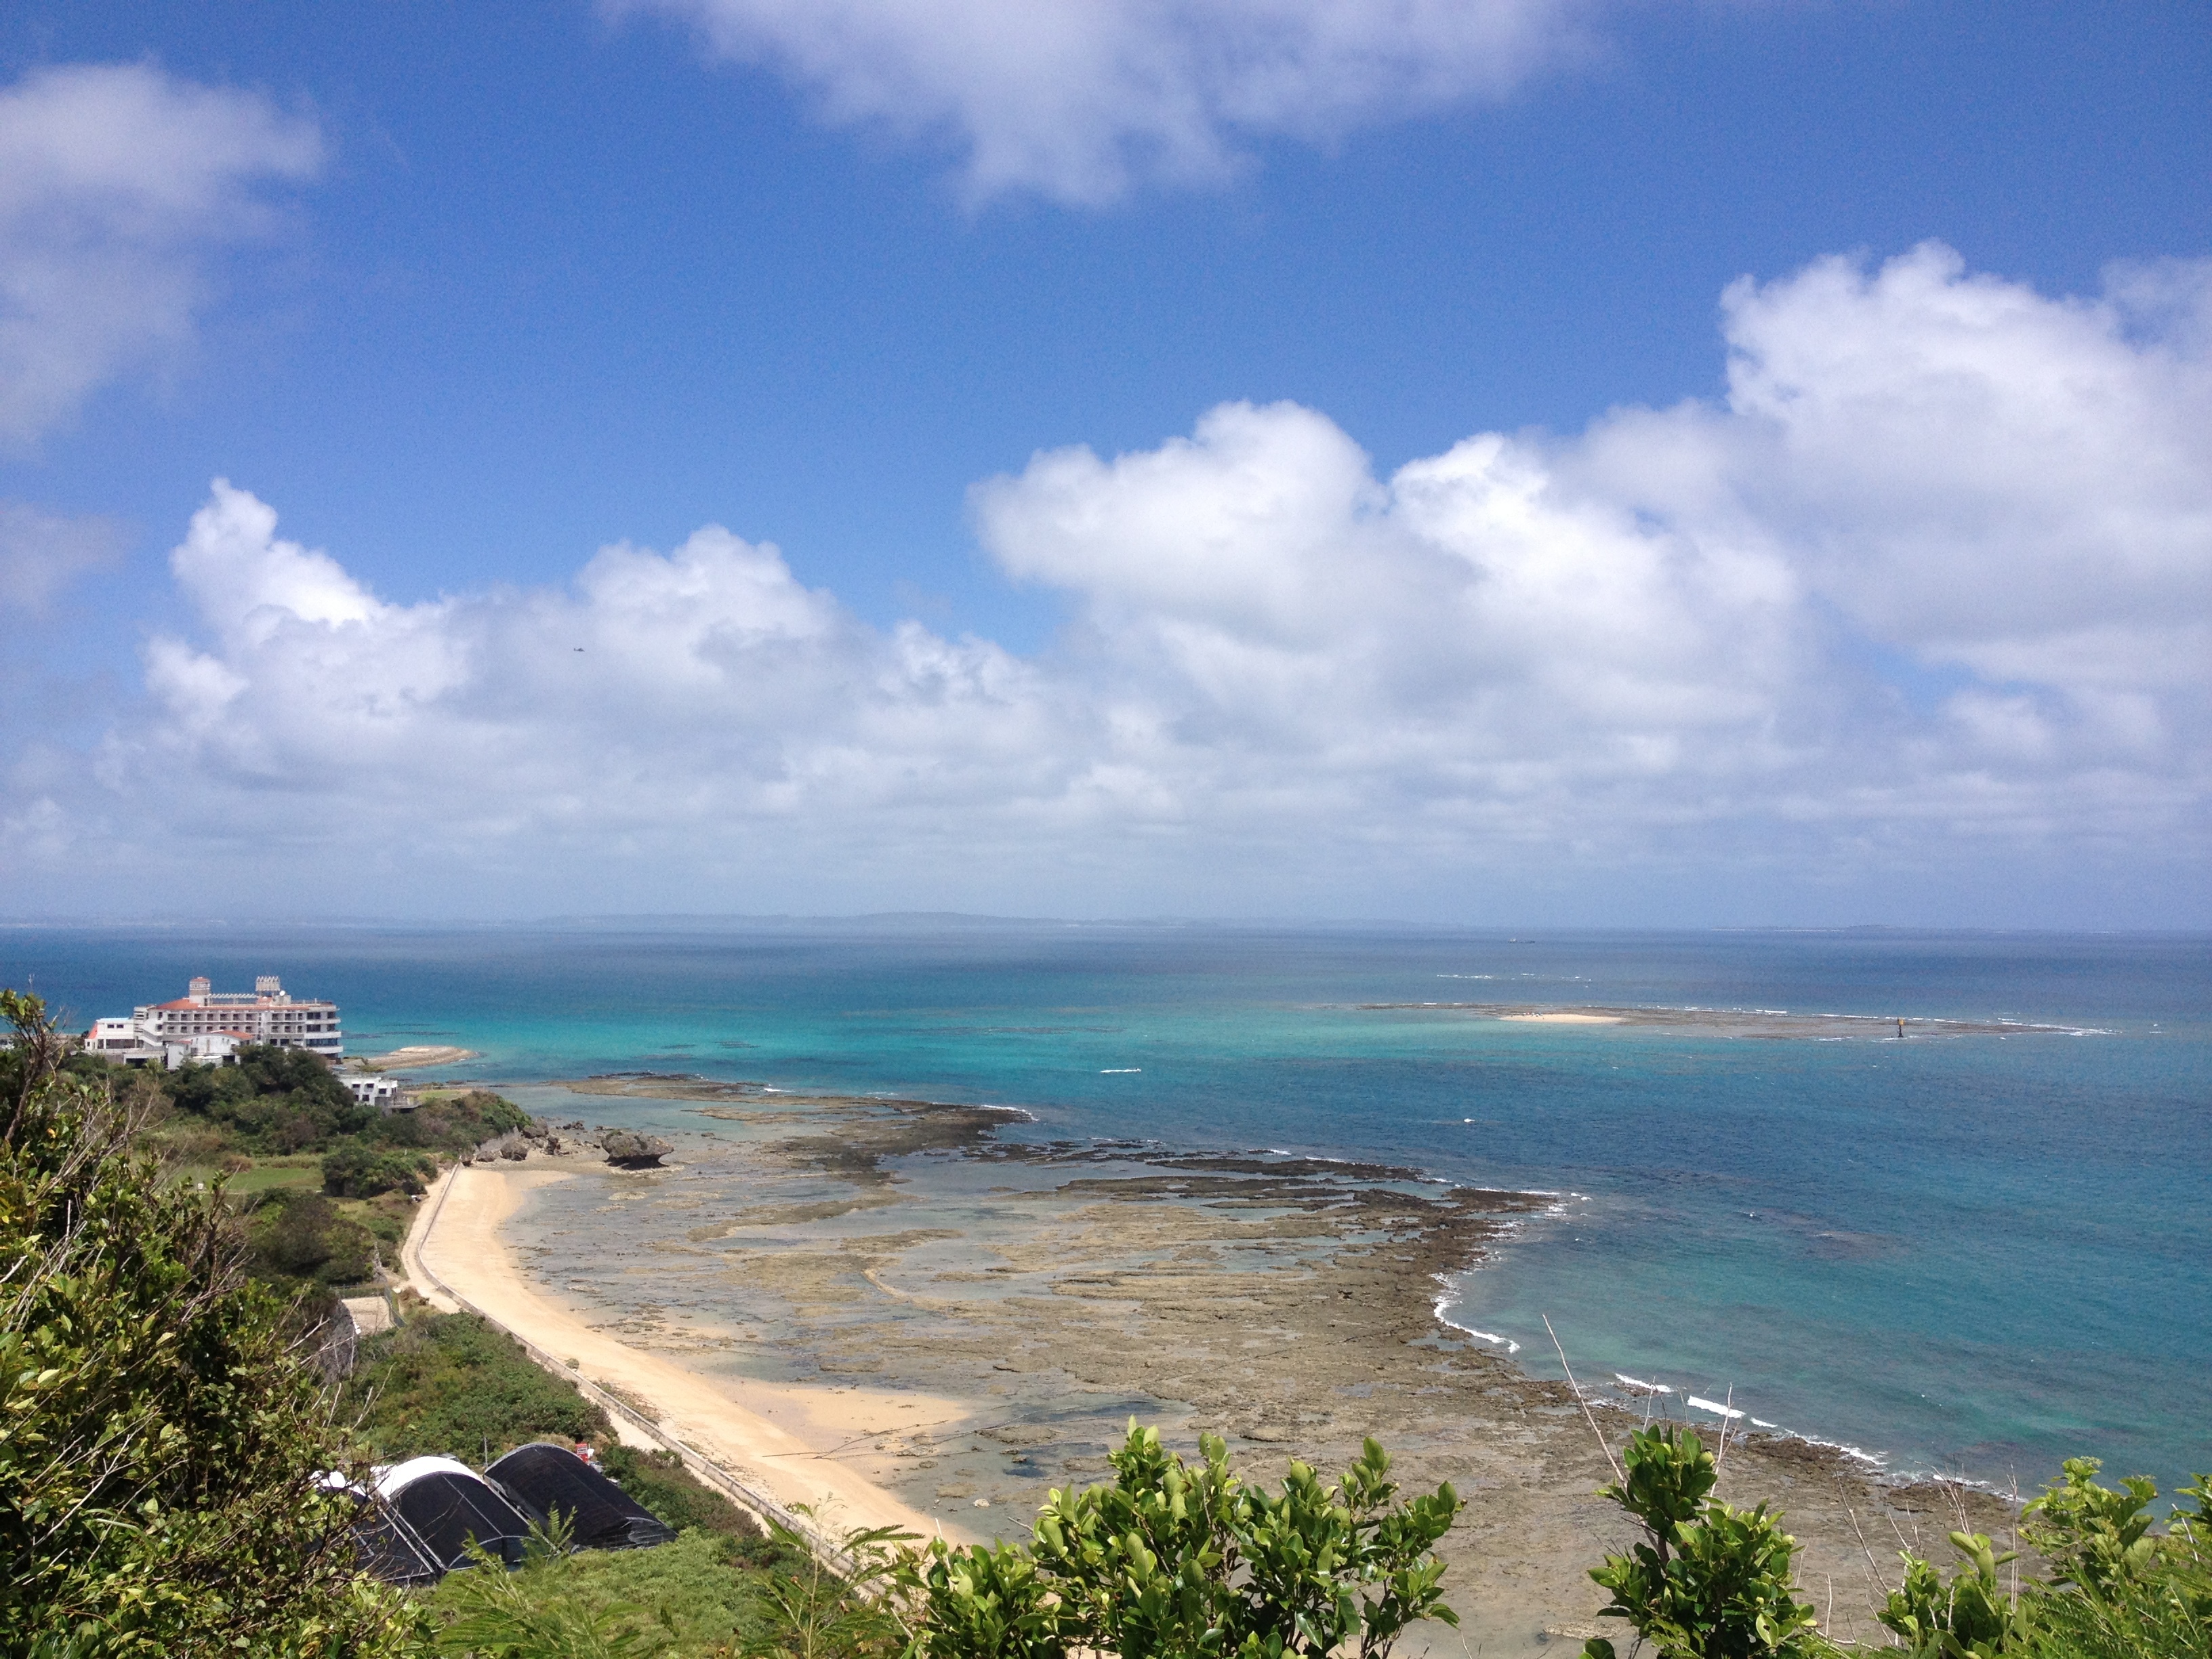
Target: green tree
161,1440
1709,1581
299,1235
351,1169
269,1099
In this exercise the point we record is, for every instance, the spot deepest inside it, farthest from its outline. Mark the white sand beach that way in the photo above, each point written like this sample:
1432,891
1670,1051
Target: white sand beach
798,1444
1562,1019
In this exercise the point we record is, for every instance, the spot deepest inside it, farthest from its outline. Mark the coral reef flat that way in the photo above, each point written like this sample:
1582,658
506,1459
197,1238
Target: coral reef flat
822,1244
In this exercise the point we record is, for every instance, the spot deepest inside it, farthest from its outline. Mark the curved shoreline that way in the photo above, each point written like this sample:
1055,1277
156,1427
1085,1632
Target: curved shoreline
1287,1303
783,1439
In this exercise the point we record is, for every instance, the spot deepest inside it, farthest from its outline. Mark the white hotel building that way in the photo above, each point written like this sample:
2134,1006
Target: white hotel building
205,1024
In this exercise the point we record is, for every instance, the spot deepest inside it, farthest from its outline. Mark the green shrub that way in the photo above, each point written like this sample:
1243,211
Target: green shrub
163,1435
458,1124
452,1383
300,1236
2094,1538
1970,1615
853,1608
351,1169
2116,1587
269,1099
1709,1581
1175,1558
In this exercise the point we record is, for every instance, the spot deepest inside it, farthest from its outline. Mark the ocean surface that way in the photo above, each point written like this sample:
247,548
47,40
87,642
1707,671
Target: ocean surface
1972,1253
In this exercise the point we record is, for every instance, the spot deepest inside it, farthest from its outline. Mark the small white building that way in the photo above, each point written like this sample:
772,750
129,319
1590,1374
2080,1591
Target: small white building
119,1039
370,1089
208,1024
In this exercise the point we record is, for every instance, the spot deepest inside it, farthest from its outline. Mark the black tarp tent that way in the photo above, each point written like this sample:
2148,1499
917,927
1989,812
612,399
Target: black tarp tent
446,1504
383,1543
387,1546
601,1515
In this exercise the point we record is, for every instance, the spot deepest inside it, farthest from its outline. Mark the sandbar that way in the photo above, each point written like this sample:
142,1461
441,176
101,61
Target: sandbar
1776,1024
415,1057
783,1439
1564,1019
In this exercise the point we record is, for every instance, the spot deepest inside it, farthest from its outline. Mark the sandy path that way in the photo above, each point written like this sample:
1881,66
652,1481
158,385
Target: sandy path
781,1438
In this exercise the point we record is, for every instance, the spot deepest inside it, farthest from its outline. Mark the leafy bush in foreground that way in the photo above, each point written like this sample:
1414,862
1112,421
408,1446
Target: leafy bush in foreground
1709,1581
160,1438
2115,1587
1175,1559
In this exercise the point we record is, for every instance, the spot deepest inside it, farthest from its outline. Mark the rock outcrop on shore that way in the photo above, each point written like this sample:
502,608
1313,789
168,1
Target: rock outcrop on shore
627,1150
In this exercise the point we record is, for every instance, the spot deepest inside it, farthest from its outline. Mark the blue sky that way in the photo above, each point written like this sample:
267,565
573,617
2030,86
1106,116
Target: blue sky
502,286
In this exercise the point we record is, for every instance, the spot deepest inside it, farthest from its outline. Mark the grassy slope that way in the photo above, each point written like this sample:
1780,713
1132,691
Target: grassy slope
266,1174
704,1590
452,1383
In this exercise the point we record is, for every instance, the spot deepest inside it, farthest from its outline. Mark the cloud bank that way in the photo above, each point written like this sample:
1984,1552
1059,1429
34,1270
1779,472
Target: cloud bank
1078,99
119,185
1923,604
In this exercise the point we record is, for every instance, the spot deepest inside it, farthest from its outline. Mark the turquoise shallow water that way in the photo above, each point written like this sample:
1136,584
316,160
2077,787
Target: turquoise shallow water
1980,1254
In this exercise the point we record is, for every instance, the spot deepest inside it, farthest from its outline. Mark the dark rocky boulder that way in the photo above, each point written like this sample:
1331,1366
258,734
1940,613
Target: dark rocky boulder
633,1151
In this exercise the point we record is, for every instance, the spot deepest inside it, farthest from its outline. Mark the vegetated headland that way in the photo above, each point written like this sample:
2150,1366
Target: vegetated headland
821,1260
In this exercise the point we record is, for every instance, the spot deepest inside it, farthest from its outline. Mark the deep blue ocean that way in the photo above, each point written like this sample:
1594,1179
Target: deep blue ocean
1974,1254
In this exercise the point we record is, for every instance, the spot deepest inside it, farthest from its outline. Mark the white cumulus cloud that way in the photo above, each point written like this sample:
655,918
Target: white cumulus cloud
1076,100
1924,599
118,183
668,696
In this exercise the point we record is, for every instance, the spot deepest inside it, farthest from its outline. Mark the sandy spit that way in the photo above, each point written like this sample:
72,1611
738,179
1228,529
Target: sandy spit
1563,1019
783,1439
414,1058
